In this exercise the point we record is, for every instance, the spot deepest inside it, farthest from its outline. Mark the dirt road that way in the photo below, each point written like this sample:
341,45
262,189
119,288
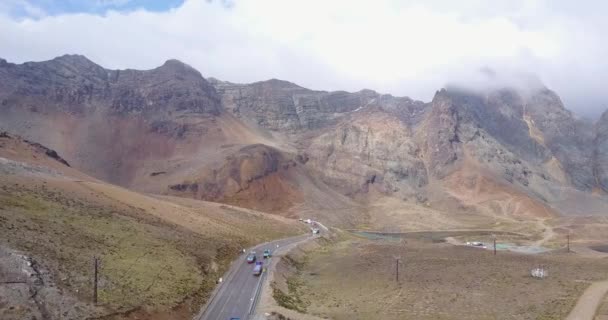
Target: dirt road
548,233
589,302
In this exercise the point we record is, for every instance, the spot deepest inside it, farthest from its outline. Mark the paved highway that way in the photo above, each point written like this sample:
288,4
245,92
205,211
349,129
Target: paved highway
236,295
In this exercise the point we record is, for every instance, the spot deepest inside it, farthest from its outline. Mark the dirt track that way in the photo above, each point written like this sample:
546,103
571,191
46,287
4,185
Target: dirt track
589,302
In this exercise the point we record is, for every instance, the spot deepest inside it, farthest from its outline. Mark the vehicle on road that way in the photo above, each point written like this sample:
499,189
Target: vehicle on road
315,231
257,270
251,257
477,244
266,253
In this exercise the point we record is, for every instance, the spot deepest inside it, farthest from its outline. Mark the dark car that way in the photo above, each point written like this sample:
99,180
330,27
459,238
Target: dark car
251,258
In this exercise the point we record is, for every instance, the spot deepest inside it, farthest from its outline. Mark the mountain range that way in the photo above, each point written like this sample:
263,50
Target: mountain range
355,159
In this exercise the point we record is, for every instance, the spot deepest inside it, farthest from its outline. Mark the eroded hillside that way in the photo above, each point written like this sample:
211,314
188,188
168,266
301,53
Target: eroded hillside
160,257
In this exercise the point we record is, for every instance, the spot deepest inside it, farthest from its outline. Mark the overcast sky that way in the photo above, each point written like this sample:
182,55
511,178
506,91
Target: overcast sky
407,48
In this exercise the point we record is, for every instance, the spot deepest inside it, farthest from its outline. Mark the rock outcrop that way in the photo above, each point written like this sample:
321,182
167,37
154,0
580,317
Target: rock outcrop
600,163
283,106
8,141
373,149
256,176
74,84
569,139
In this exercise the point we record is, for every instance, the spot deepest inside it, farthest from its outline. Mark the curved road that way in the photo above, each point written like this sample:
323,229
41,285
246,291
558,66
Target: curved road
236,296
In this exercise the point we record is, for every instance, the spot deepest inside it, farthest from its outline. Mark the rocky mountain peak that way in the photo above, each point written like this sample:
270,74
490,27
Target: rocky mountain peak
279,84
215,81
74,62
73,58
175,66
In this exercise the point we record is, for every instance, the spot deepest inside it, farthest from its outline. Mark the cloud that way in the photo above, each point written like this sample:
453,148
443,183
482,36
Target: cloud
21,8
404,48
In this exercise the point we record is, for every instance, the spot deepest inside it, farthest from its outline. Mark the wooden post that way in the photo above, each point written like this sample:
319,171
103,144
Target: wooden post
568,243
96,266
397,261
494,245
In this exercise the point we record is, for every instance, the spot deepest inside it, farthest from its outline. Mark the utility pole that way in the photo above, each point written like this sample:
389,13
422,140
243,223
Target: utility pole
397,267
397,260
568,242
494,244
96,267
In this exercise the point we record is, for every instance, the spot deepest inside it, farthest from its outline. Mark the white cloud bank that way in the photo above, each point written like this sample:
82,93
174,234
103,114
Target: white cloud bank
401,47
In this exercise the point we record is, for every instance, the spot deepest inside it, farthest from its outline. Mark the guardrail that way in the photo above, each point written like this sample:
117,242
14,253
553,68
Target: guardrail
256,295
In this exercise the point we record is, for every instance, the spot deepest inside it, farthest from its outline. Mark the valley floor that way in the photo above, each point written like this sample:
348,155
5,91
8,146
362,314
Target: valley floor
355,278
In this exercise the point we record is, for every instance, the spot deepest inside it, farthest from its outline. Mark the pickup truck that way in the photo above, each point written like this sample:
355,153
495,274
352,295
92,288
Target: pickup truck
257,270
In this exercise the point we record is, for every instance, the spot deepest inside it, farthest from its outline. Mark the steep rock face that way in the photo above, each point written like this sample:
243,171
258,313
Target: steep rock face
501,114
173,87
283,106
570,140
370,149
515,136
77,85
459,118
351,141
107,122
256,176
409,111
439,135
487,131
354,140
601,152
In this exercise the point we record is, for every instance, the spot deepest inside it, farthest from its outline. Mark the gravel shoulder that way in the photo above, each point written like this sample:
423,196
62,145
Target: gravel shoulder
268,307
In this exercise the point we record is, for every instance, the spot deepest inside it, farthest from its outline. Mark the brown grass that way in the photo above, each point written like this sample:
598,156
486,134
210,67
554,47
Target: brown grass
355,279
156,255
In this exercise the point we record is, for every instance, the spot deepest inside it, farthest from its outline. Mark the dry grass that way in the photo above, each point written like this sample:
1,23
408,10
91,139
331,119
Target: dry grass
155,254
355,279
